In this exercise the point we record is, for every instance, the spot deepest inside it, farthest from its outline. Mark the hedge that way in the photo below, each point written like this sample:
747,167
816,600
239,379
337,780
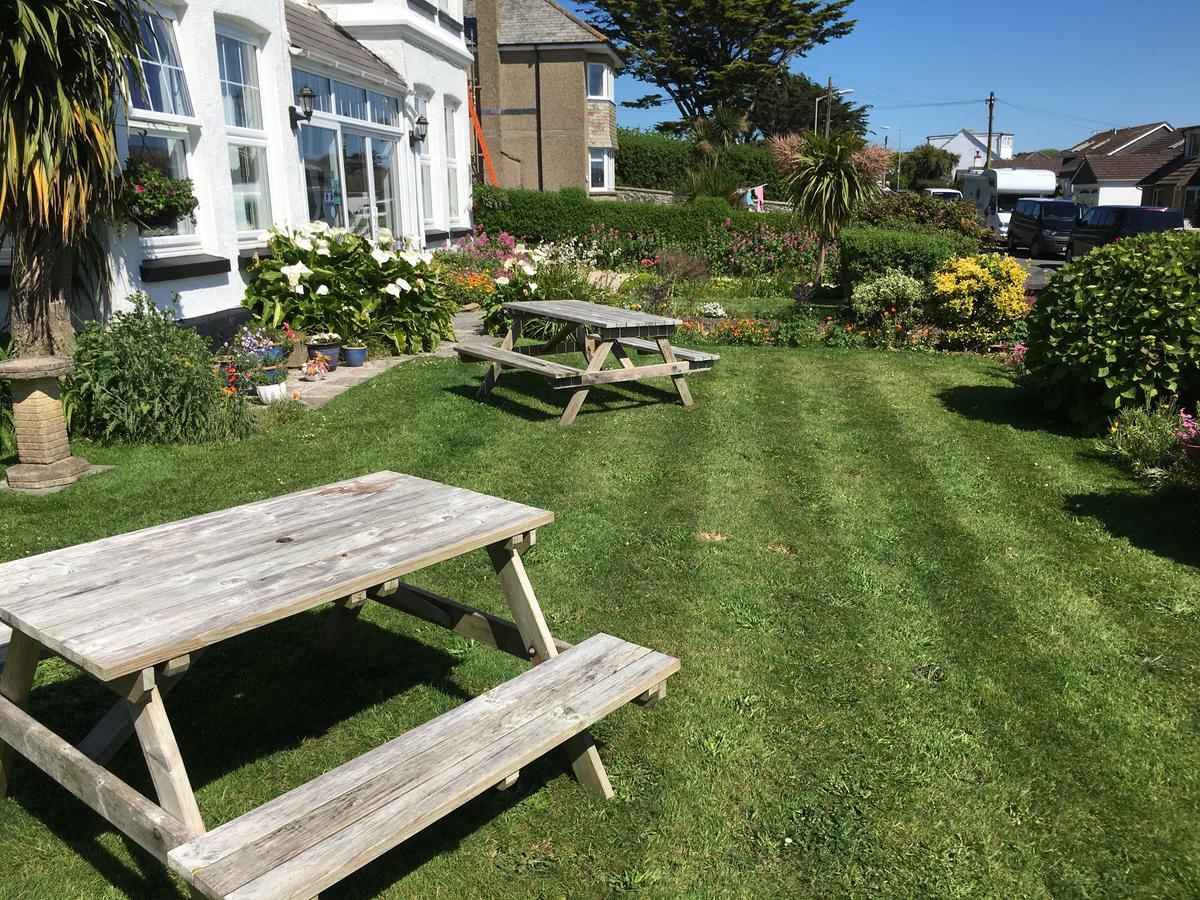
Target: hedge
909,210
648,160
536,216
867,252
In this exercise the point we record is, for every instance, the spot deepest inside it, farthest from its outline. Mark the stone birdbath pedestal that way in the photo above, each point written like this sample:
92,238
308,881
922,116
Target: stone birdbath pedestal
42,444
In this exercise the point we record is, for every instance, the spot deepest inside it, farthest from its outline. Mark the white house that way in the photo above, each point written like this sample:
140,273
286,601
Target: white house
971,148
222,105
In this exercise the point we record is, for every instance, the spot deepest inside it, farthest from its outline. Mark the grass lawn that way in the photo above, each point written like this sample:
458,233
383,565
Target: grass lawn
928,648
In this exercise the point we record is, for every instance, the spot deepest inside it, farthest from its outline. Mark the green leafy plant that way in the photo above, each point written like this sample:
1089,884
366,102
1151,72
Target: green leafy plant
319,278
142,378
867,252
892,292
978,299
1145,439
152,198
1119,328
906,209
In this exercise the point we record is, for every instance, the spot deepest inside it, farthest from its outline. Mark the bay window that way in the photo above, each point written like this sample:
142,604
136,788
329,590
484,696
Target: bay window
599,81
349,156
600,169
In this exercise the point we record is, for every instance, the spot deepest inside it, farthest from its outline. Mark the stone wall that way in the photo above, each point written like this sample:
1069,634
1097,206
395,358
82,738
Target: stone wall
667,198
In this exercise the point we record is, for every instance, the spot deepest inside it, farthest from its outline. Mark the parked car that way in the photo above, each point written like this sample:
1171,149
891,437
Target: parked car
942,193
1105,224
1042,226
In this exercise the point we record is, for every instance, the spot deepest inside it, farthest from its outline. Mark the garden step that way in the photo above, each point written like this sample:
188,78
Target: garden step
317,834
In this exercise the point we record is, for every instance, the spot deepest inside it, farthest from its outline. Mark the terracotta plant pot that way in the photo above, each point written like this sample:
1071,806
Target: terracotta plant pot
1191,451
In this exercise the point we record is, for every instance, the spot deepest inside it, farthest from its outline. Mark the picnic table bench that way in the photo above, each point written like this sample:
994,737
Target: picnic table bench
596,331
136,610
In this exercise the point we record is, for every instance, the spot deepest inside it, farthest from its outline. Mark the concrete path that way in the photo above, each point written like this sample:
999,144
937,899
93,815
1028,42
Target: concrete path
468,328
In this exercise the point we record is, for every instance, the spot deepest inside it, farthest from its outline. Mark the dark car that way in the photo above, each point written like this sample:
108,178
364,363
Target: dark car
1105,224
1042,226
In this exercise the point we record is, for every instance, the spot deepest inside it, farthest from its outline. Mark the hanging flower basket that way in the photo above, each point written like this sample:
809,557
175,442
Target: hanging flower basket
152,199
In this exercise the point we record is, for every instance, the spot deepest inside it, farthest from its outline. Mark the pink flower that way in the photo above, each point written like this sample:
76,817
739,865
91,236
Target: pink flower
138,189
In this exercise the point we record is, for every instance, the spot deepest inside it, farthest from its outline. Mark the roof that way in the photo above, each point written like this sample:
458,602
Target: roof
539,22
1030,161
1125,167
311,30
1117,140
1176,173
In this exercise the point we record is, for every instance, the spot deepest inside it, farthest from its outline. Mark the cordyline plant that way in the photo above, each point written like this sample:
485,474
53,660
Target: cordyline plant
825,186
62,71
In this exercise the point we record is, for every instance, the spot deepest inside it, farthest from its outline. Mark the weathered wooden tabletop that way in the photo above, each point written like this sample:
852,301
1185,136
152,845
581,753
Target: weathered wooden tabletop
609,321
121,604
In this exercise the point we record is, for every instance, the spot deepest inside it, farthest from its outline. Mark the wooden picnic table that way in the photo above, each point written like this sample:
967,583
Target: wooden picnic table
136,610
596,331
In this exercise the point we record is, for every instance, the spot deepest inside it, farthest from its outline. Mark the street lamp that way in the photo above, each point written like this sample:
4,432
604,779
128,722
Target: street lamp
899,149
821,97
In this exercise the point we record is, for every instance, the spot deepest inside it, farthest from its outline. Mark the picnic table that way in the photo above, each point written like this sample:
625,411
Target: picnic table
135,612
596,331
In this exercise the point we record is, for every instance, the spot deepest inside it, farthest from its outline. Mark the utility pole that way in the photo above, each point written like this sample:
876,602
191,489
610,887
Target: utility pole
828,105
991,102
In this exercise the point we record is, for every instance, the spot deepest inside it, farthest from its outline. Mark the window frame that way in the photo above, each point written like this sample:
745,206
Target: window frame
169,18
245,136
154,246
421,149
450,110
606,78
608,158
331,120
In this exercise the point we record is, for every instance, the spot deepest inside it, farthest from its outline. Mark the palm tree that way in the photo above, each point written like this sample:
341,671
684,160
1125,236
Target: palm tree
712,135
826,186
62,72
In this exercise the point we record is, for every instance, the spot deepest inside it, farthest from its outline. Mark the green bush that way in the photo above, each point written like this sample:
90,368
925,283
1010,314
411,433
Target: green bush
893,293
141,378
1119,327
906,210
322,279
649,160
868,252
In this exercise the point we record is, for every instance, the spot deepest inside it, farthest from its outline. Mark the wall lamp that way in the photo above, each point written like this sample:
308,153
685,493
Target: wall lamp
305,110
420,131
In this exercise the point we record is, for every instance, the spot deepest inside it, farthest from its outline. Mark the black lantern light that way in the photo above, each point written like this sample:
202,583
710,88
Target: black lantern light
305,110
420,131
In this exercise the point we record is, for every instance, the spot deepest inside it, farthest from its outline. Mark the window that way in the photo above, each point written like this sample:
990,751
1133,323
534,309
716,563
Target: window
237,63
163,88
451,117
599,81
421,106
1192,147
349,154
600,169
1191,204
164,148
241,97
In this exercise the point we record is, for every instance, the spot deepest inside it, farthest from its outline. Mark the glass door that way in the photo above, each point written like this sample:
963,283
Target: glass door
383,171
319,156
358,183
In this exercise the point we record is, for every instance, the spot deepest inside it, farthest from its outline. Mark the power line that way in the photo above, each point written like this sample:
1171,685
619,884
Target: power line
925,105
1057,116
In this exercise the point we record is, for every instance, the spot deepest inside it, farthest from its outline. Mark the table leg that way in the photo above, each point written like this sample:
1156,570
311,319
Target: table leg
619,352
491,376
514,582
668,355
163,759
595,364
16,683
341,617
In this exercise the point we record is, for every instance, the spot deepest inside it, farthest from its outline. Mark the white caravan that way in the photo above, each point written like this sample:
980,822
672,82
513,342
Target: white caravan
996,191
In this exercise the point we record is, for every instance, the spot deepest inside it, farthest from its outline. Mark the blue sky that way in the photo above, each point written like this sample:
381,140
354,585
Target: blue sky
1074,67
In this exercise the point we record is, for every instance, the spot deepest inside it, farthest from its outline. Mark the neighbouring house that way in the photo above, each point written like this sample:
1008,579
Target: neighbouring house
1177,182
544,85
1034,160
1108,182
221,106
971,148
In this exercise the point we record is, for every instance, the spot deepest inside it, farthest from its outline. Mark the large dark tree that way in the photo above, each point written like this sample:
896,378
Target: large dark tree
927,166
707,53
785,106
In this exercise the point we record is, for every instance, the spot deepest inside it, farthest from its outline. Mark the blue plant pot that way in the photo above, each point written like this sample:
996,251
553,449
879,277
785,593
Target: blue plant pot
354,356
330,350
272,355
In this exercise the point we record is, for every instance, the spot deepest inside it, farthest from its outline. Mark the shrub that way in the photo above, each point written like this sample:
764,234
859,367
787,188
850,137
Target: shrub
319,278
978,298
868,252
1146,440
141,378
900,210
1119,327
893,292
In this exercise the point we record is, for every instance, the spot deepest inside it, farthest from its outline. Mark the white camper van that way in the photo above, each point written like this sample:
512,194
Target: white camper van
996,191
